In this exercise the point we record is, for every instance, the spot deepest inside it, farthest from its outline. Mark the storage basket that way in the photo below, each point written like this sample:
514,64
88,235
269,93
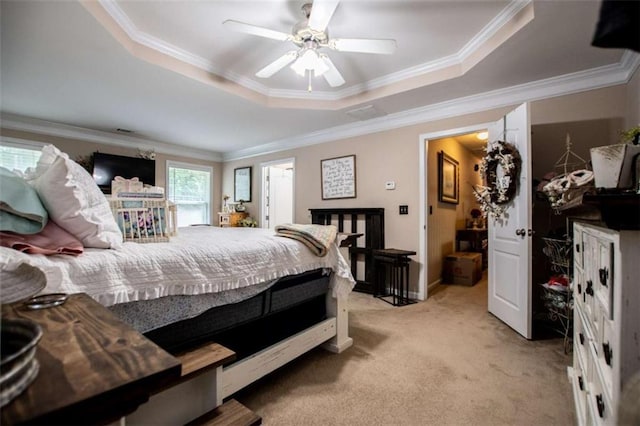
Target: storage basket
613,165
144,220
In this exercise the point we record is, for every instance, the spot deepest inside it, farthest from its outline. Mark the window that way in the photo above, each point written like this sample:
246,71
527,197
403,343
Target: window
19,156
189,187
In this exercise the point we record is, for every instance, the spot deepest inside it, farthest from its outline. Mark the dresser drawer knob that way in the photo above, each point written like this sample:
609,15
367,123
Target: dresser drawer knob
589,289
581,338
579,288
581,383
604,274
600,403
608,353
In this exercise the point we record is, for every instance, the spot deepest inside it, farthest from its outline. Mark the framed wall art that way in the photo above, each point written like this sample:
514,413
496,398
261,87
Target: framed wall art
242,184
448,179
338,177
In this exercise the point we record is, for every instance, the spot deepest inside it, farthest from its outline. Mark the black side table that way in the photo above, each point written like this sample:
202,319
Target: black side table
392,268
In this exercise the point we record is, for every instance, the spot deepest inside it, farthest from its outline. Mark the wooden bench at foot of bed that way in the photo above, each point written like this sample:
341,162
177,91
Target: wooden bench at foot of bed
209,376
176,403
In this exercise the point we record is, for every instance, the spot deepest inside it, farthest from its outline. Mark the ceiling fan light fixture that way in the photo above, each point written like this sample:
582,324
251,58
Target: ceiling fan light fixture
299,68
309,60
310,35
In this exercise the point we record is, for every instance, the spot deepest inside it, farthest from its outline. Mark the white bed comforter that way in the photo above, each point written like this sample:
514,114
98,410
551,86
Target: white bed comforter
199,260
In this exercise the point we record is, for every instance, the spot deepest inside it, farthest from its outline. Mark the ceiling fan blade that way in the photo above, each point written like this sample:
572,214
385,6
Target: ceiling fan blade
277,65
255,30
362,45
321,13
332,75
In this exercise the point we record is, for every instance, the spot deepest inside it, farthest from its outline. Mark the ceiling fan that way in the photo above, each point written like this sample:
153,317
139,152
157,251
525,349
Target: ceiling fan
310,35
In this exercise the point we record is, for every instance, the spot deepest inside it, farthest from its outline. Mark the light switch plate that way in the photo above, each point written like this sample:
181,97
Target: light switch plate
390,185
404,209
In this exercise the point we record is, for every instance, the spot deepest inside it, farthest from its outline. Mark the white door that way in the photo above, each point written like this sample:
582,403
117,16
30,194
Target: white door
277,190
280,196
509,237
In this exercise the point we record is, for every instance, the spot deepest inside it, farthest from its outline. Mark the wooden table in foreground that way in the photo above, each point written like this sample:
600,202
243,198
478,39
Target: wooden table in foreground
93,368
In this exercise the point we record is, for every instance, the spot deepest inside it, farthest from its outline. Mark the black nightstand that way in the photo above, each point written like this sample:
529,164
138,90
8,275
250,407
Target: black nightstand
392,268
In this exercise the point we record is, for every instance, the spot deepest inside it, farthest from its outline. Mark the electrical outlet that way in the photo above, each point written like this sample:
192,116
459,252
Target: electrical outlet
404,209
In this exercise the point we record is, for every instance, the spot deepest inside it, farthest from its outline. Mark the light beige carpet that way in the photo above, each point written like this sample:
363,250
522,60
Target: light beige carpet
446,361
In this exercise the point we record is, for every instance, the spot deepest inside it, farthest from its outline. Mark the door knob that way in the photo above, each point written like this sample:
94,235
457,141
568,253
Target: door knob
521,232
589,289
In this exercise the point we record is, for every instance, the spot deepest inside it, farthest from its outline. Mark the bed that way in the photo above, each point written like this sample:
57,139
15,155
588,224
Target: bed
268,298
246,288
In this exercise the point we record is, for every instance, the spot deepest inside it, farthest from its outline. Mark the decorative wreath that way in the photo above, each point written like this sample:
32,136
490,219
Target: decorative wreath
499,190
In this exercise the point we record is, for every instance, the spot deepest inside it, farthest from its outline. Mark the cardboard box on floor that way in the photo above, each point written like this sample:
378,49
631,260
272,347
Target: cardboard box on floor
462,268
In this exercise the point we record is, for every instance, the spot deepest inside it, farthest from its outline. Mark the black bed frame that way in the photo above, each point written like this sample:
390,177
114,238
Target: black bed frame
373,238
292,304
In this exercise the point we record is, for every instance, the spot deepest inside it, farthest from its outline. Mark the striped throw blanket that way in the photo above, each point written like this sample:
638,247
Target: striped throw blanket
317,237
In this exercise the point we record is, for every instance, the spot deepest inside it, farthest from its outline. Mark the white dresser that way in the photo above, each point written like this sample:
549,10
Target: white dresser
606,345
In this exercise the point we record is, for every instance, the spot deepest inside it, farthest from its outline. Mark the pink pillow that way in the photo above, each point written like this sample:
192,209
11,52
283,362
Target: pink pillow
51,240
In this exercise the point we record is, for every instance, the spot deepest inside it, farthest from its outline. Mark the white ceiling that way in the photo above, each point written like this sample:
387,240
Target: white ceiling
173,74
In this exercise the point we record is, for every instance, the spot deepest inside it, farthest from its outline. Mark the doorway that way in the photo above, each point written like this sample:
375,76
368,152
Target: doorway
509,233
277,193
440,220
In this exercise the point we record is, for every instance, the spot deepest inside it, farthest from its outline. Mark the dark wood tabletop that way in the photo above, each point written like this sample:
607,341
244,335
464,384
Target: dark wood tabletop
93,368
391,252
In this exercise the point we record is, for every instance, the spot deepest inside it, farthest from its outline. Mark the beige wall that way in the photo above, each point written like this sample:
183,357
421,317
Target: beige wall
591,105
380,157
394,155
77,147
548,142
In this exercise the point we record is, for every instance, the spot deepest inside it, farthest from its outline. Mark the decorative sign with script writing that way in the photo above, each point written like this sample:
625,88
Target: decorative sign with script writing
338,177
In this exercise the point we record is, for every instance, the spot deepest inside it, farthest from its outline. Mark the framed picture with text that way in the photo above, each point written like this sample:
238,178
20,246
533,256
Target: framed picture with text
338,177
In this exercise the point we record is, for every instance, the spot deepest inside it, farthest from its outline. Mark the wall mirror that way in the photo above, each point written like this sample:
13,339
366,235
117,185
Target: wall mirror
242,184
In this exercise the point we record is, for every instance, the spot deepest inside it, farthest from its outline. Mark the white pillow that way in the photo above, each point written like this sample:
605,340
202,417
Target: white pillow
73,199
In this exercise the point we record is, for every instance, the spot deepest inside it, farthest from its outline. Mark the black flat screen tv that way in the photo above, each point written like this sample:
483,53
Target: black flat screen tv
107,166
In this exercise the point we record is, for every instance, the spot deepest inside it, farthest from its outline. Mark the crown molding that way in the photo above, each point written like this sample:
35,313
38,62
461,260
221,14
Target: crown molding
157,44
33,125
480,40
630,61
476,44
489,30
592,79
581,81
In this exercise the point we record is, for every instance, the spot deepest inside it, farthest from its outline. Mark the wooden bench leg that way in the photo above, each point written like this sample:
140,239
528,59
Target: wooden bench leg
231,413
181,403
338,307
